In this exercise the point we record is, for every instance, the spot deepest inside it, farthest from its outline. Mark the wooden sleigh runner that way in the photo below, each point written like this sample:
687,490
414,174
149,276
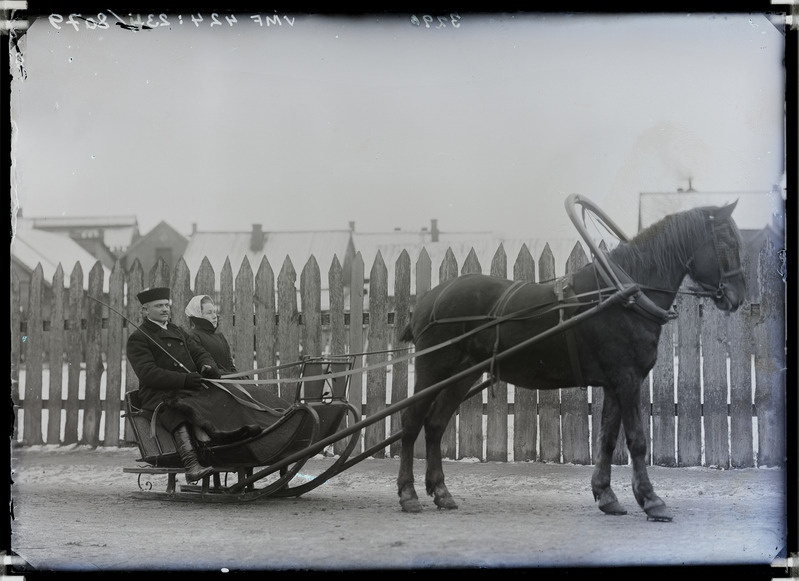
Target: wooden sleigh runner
262,465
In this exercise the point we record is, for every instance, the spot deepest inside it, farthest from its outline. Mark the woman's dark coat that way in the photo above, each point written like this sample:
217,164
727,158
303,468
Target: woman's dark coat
215,343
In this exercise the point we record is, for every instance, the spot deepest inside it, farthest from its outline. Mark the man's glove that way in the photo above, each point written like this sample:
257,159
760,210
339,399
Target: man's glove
194,381
210,372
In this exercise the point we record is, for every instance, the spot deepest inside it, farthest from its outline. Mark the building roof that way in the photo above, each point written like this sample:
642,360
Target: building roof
157,229
30,247
119,232
754,211
277,246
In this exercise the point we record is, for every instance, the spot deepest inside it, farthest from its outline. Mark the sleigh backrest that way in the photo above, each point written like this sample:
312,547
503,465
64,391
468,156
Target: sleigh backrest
315,387
158,448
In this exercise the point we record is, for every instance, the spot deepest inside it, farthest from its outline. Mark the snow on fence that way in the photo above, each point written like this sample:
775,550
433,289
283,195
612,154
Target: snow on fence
716,396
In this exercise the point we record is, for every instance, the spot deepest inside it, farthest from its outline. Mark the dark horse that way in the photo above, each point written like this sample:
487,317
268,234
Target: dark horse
612,343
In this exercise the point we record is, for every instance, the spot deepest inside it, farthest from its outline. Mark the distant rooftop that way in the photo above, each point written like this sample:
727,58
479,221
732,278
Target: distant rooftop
83,221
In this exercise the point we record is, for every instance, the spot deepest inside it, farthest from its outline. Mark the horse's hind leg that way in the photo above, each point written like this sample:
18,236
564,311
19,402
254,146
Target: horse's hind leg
435,424
412,419
653,505
608,435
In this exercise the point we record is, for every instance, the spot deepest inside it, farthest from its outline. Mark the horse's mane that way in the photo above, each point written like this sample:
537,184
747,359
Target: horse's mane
665,246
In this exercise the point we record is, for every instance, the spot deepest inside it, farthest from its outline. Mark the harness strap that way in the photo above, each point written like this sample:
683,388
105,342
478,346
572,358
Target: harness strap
250,401
497,311
560,290
639,302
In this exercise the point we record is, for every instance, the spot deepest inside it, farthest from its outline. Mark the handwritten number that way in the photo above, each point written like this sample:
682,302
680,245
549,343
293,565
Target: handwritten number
215,20
197,19
164,20
231,19
453,19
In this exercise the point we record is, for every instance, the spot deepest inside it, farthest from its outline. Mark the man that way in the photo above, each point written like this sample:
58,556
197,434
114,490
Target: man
166,362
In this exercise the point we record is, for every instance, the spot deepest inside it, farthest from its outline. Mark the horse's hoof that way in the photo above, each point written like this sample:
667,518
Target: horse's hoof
446,503
614,508
411,505
658,513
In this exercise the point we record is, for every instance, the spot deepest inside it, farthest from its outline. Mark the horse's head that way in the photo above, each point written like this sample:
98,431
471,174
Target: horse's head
716,261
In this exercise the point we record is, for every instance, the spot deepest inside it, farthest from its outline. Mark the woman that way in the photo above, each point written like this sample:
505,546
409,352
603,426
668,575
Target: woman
202,314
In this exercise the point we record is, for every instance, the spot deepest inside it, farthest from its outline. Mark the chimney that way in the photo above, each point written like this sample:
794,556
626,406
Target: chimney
434,230
257,239
193,228
352,226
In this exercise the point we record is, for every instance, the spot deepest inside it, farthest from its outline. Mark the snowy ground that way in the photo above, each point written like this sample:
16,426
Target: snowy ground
73,509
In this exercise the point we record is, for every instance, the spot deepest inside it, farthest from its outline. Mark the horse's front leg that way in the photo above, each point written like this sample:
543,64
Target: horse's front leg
608,436
653,505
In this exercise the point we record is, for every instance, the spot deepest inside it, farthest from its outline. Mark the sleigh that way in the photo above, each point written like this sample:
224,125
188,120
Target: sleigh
261,465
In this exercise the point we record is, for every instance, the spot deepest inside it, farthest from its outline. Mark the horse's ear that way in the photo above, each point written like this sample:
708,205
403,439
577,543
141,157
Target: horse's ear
726,211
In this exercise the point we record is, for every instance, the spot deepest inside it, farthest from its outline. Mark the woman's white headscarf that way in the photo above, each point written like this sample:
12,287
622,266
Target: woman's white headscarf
195,308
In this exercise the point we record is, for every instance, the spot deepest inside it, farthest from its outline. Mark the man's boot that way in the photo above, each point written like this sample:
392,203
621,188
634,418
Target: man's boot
194,470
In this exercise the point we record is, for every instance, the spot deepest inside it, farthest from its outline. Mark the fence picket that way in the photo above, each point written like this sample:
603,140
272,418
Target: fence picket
574,401
714,379
205,279
424,276
470,412
266,324
242,342
689,427
770,368
662,450
356,333
548,399
496,396
288,326
180,294
378,343
525,401
92,406
56,359
34,351
741,445
311,296
447,271
399,371
225,305
135,286
16,349
74,355
114,358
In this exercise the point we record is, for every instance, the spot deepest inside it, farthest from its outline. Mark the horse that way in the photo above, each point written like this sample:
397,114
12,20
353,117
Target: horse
519,332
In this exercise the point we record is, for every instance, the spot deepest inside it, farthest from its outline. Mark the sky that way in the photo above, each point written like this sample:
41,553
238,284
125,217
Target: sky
308,122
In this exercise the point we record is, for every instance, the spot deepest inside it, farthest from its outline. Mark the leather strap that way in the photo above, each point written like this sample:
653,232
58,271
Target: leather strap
562,285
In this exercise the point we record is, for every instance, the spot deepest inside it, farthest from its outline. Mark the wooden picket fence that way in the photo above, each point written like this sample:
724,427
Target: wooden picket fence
717,391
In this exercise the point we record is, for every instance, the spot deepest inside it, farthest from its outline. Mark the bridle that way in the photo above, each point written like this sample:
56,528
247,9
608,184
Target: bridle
726,260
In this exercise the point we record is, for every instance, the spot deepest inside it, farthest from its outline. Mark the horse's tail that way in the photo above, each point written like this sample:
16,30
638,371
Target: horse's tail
407,334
